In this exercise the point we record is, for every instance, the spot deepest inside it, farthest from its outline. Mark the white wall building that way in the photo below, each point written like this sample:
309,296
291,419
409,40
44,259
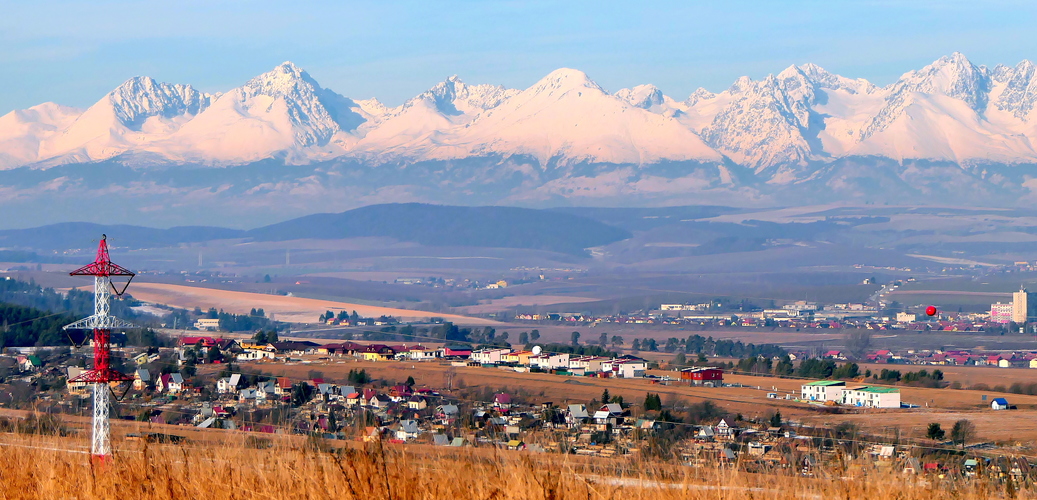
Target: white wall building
558,361
207,324
489,356
872,397
823,390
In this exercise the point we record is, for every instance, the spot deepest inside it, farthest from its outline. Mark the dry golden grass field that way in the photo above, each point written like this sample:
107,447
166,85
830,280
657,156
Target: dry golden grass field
46,467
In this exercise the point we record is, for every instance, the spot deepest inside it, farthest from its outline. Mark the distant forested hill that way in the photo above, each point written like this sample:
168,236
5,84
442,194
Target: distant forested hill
434,225
85,234
440,225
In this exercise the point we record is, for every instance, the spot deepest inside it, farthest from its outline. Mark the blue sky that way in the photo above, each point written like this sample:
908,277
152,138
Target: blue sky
75,52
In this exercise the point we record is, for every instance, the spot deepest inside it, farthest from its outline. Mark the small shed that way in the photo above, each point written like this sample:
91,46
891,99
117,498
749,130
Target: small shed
999,404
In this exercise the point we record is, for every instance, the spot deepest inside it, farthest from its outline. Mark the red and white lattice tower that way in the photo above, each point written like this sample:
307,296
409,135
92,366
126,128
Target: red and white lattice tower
102,323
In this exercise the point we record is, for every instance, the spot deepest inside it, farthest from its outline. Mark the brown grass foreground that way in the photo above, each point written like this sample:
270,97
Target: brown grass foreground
48,468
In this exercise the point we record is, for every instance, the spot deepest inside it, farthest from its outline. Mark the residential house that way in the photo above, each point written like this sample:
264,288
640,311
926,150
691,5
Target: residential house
141,379
346,390
376,352
210,324
172,383
256,354
417,403
295,347
586,364
326,391
75,383
421,353
541,361
30,363
489,356
611,413
266,391
576,415
823,390
627,368
502,400
999,404
342,349
379,401
145,358
407,429
227,385
520,358
456,352
873,397
559,361
400,393
707,376
447,414
283,387
247,395
723,428
706,432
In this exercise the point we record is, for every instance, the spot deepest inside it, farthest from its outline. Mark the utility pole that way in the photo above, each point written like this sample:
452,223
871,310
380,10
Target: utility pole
102,323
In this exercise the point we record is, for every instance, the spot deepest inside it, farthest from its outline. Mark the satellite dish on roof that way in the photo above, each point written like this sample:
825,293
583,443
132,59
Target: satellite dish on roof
537,350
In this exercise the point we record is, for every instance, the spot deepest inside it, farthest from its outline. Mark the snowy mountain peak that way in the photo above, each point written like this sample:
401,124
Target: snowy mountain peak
700,94
642,96
954,76
742,83
141,97
454,97
951,76
284,80
564,79
1020,91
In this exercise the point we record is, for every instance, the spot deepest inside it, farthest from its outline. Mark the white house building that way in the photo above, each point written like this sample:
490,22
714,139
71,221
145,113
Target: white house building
227,385
489,356
823,390
873,397
558,361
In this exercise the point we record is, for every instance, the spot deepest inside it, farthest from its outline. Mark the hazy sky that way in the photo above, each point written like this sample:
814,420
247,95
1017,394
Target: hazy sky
75,52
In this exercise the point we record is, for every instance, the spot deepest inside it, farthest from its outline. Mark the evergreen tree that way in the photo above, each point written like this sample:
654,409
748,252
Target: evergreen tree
935,432
605,398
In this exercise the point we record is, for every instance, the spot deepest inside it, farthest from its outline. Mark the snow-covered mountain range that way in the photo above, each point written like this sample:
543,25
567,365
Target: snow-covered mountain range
972,126
950,110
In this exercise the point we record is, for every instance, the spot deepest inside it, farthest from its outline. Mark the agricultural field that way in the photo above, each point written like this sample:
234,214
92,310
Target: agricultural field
284,308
